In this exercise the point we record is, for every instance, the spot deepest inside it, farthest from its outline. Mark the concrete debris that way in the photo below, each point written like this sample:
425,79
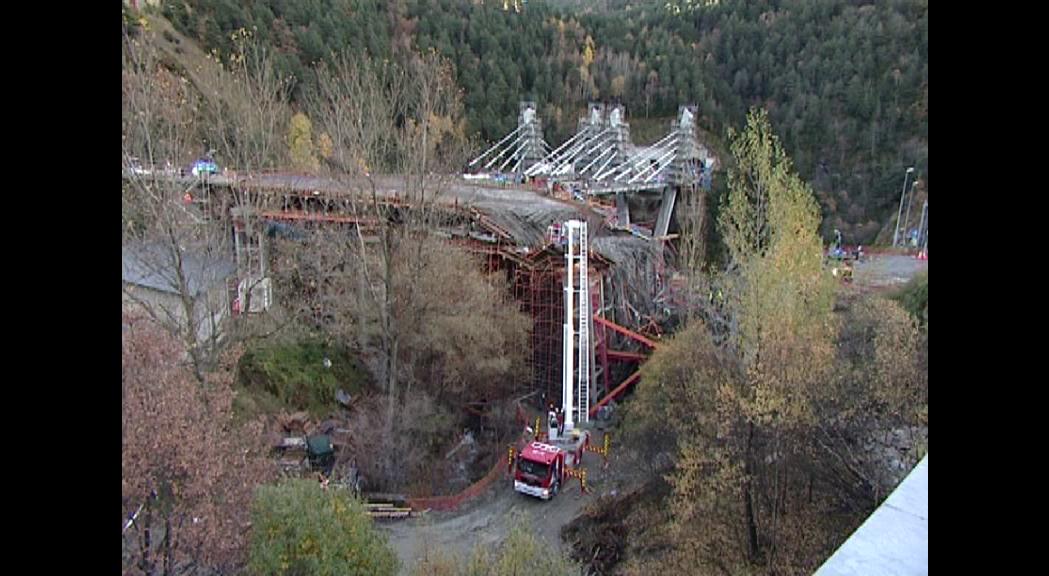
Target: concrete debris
635,278
327,427
467,441
343,397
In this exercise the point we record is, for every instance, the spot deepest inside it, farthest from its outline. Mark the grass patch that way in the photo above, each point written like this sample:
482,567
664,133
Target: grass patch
291,376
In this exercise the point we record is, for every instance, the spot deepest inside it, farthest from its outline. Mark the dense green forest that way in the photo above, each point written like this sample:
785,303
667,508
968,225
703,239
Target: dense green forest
845,81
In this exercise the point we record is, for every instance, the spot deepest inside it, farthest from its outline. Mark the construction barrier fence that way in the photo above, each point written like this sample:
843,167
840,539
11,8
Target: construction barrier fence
454,501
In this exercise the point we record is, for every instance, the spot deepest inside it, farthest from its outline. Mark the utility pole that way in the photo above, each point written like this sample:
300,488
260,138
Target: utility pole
921,226
896,234
907,217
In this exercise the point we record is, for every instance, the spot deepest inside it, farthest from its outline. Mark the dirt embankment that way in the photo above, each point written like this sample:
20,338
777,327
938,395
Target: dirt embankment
601,535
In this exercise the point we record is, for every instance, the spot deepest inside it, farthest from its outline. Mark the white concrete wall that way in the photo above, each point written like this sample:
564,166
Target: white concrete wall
894,540
169,307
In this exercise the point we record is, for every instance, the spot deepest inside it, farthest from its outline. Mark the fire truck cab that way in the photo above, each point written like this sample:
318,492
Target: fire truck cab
540,469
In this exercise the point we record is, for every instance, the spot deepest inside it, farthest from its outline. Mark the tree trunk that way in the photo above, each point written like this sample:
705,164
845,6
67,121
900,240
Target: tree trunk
391,366
390,329
748,496
167,547
189,308
779,502
145,563
362,306
386,308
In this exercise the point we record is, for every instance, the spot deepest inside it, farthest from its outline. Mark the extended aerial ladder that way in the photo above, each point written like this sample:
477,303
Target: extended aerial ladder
575,381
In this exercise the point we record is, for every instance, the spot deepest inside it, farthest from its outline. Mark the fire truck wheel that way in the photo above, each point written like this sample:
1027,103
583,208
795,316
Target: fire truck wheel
555,488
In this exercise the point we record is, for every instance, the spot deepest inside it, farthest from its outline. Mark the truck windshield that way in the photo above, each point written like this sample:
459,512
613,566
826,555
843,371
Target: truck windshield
536,469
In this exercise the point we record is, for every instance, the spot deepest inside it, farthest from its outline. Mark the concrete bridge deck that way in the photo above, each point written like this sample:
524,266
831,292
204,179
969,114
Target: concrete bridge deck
522,212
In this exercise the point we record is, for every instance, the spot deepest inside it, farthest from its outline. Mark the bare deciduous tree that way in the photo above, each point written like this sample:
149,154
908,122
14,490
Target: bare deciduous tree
399,119
246,124
167,244
388,283
176,228
187,471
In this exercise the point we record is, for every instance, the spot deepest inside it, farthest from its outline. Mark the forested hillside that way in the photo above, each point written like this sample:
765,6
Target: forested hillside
845,81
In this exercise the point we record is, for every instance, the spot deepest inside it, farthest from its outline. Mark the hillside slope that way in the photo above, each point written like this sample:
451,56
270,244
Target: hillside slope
846,82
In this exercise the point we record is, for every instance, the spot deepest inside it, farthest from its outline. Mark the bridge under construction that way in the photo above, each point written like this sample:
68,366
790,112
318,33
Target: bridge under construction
600,160
551,219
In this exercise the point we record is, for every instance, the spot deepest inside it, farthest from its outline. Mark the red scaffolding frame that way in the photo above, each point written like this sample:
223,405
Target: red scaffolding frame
538,284
538,290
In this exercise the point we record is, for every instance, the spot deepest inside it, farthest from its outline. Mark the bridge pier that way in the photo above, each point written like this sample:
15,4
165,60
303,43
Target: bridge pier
622,209
666,208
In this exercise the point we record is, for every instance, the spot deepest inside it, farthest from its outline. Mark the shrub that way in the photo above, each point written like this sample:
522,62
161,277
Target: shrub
521,553
914,297
299,528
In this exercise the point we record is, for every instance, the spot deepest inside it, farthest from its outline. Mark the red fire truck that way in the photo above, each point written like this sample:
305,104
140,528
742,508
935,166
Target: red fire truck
541,468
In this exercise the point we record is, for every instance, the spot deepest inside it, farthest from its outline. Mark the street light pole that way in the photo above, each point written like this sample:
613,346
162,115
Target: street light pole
907,216
899,213
921,226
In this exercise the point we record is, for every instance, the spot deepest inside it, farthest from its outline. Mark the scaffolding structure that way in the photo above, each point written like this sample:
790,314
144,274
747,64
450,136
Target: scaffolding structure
537,289
254,291
540,291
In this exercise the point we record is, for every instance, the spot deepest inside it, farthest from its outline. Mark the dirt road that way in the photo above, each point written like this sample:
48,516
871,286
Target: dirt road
486,520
